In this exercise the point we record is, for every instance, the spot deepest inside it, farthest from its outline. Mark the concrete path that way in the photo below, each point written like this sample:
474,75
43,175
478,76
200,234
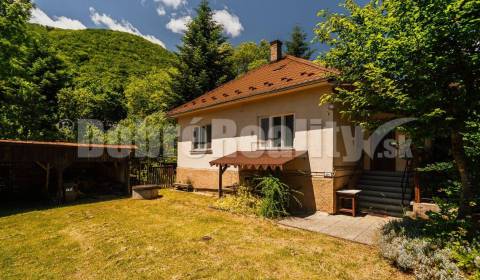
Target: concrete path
363,229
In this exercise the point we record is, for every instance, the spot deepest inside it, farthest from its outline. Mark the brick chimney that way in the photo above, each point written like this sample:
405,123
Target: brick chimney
276,51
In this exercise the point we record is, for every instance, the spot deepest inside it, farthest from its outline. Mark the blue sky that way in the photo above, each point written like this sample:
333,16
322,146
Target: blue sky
162,21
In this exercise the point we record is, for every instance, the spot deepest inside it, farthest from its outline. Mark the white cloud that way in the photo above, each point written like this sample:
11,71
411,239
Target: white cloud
40,17
123,25
175,4
230,22
161,11
179,25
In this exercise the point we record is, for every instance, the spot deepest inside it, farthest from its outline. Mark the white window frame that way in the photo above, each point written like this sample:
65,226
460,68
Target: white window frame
268,144
203,143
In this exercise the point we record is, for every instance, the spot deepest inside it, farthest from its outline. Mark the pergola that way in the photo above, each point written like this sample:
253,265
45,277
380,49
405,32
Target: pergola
256,160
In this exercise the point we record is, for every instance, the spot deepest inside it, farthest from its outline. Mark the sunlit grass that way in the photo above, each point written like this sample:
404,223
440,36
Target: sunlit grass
163,239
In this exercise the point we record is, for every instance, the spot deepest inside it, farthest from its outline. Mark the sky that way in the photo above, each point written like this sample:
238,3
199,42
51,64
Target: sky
163,21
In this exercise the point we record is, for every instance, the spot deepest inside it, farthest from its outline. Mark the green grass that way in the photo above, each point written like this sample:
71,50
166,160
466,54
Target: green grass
162,239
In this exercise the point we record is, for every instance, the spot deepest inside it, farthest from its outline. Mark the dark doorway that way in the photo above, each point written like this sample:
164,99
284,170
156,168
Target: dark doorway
382,159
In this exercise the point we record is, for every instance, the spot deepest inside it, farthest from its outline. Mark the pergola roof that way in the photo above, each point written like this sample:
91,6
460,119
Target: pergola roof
258,159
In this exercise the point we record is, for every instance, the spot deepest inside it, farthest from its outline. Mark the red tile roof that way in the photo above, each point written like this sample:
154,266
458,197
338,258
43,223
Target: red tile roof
290,72
259,159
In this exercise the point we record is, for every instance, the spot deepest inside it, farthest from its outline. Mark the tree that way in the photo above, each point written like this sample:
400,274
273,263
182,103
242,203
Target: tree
150,94
298,45
411,58
203,64
248,56
13,25
31,79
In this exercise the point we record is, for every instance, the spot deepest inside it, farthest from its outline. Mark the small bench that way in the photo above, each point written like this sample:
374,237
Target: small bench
351,195
145,192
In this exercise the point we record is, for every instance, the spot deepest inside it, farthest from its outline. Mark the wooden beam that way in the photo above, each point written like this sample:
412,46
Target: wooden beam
47,167
221,170
60,187
418,196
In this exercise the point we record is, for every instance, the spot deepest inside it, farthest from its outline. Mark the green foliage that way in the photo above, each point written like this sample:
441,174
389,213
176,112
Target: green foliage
422,247
107,59
150,94
203,60
276,197
298,45
468,259
248,56
105,65
13,20
243,202
32,76
409,58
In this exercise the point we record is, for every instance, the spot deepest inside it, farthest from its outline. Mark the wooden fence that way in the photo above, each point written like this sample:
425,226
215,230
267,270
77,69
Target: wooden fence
151,174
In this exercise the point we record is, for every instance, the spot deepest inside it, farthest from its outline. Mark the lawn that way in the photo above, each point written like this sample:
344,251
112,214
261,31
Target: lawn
163,239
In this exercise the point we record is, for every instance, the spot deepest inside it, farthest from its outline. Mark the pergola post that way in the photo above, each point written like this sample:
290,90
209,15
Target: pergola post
418,197
221,170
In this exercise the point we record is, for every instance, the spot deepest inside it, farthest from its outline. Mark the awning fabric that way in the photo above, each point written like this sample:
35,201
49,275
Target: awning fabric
258,159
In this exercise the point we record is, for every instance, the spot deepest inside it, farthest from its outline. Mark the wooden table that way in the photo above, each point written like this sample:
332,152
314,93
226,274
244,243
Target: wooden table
343,195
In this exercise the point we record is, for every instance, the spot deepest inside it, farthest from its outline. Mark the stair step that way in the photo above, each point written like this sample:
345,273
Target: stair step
383,173
382,212
364,205
384,178
379,183
388,189
384,194
382,200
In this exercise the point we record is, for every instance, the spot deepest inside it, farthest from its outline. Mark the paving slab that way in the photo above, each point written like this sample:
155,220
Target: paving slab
362,229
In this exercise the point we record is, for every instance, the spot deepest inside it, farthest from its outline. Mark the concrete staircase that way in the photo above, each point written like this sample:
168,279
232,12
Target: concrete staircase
382,193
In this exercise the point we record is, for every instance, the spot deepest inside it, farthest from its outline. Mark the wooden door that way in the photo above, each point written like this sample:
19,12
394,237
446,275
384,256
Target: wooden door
381,161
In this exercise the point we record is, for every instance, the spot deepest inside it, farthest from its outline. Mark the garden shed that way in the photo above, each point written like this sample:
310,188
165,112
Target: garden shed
36,169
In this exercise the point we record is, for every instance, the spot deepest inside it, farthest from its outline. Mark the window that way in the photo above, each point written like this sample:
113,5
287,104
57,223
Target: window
202,137
277,132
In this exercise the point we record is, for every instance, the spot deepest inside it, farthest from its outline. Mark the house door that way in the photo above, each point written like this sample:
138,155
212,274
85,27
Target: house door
383,160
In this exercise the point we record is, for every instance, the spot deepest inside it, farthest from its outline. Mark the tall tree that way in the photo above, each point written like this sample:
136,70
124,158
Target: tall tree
203,62
410,58
31,79
13,25
298,45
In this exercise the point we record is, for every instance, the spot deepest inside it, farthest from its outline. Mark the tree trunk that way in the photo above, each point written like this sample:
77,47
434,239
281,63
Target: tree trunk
459,156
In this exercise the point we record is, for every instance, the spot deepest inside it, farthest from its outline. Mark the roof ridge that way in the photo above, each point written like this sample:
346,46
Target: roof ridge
310,63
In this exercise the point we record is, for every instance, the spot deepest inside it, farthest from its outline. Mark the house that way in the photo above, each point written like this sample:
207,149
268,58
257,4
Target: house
270,119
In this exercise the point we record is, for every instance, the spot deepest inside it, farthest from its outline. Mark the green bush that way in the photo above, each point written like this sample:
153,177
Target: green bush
276,197
401,243
244,203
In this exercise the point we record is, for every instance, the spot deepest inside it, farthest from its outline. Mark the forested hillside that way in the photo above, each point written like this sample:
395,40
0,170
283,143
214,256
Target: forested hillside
102,64
107,58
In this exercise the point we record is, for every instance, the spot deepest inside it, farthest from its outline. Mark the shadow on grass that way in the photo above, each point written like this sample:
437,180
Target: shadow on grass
16,206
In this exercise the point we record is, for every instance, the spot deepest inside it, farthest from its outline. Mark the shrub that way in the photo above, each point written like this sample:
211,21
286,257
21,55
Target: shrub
244,203
404,244
276,197
467,257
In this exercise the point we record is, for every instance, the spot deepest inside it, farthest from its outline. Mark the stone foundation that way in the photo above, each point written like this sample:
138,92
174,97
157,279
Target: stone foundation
205,179
318,194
